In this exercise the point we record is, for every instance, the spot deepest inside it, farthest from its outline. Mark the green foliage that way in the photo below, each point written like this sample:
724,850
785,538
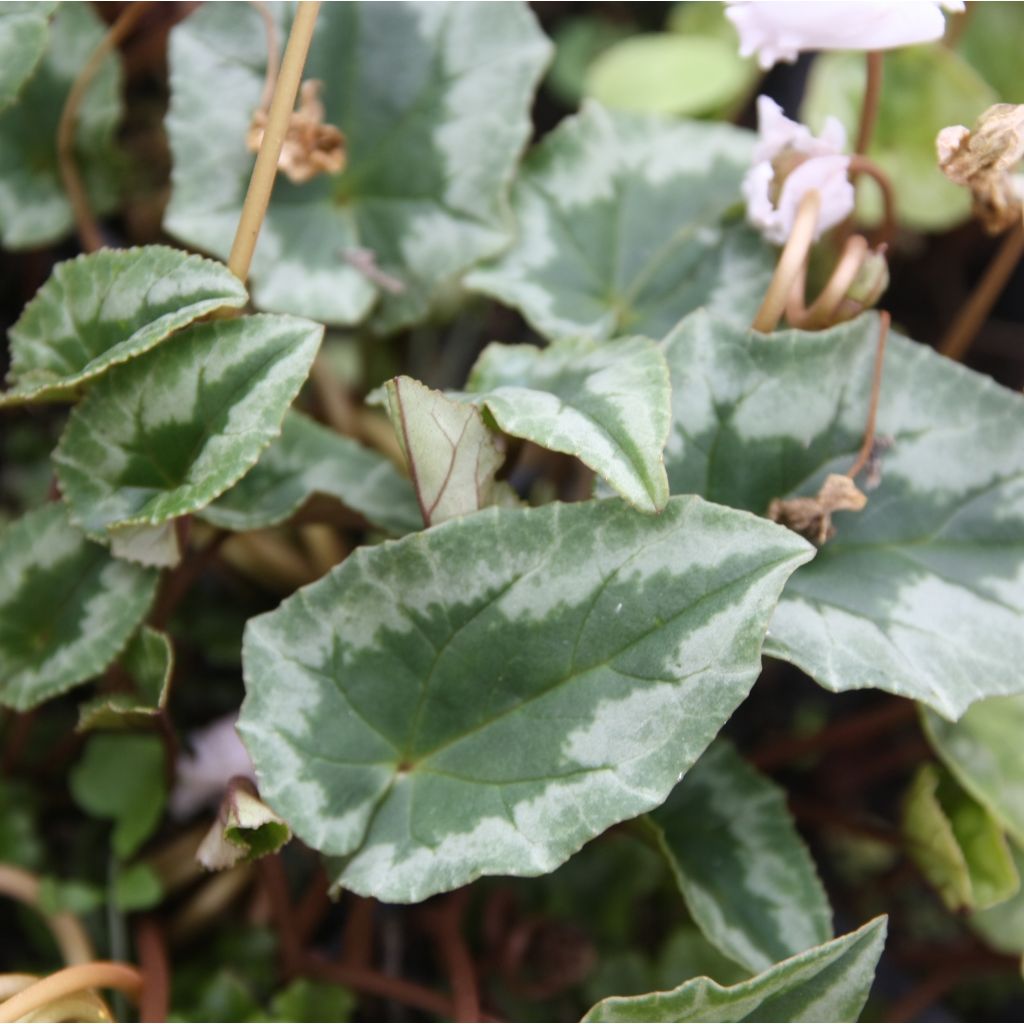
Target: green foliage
33,207
828,983
991,45
431,150
577,640
24,32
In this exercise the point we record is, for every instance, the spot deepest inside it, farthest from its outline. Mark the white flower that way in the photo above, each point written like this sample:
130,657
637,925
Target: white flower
788,162
780,30
215,756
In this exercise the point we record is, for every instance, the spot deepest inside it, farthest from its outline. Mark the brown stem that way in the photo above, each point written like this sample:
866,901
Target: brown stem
315,903
264,172
974,312
275,884
446,924
860,164
154,1001
791,264
357,939
876,388
869,107
88,229
273,52
66,982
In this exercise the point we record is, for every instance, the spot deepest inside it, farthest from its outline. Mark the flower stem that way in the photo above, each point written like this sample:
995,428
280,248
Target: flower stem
969,320
822,312
66,982
264,172
869,107
791,264
862,165
85,222
876,389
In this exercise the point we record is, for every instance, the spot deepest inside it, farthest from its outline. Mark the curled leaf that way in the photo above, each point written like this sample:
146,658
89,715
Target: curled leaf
246,829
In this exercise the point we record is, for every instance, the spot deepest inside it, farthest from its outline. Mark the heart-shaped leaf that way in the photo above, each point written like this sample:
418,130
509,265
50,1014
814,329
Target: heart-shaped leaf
165,434
24,31
922,592
624,228
608,405
67,608
743,870
309,459
485,696
33,207
434,123
105,308
829,983
984,751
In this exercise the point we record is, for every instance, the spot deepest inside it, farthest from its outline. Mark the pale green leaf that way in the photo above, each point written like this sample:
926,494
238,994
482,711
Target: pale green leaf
829,983
578,40
666,73
922,592
485,696
137,888
624,228
742,869
149,660
925,89
1002,926
67,608
33,207
309,459
165,434
991,42
121,778
434,102
105,308
956,843
451,453
985,753
24,31
607,405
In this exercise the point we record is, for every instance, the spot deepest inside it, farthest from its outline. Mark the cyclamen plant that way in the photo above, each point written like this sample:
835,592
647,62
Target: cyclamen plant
495,628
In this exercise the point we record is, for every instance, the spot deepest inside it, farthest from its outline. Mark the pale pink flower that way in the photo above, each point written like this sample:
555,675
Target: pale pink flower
213,757
788,162
778,30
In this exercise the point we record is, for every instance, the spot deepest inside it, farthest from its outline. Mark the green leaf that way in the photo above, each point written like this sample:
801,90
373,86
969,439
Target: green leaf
828,983
245,829
311,1001
922,592
434,124
578,40
24,31
623,228
105,308
67,608
485,696
149,660
664,73
958,846
20,839
991,44
983,750
926,88
137,888
121,778
33,207
1002,926
63,895
607,405
744,872
309,459
165,434
451,453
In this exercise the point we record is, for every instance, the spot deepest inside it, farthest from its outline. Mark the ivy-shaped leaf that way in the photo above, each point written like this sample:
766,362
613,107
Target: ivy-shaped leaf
24,31
926,89
485,696
451,453
309,459
956,843
67,608
165,434
105,308
149,660
984,751
434,123
33,207
623,228
829,983
608,405
742,869
922,592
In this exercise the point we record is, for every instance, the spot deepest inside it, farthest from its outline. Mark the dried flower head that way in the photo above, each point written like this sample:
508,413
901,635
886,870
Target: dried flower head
812,517
311,147
983,160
